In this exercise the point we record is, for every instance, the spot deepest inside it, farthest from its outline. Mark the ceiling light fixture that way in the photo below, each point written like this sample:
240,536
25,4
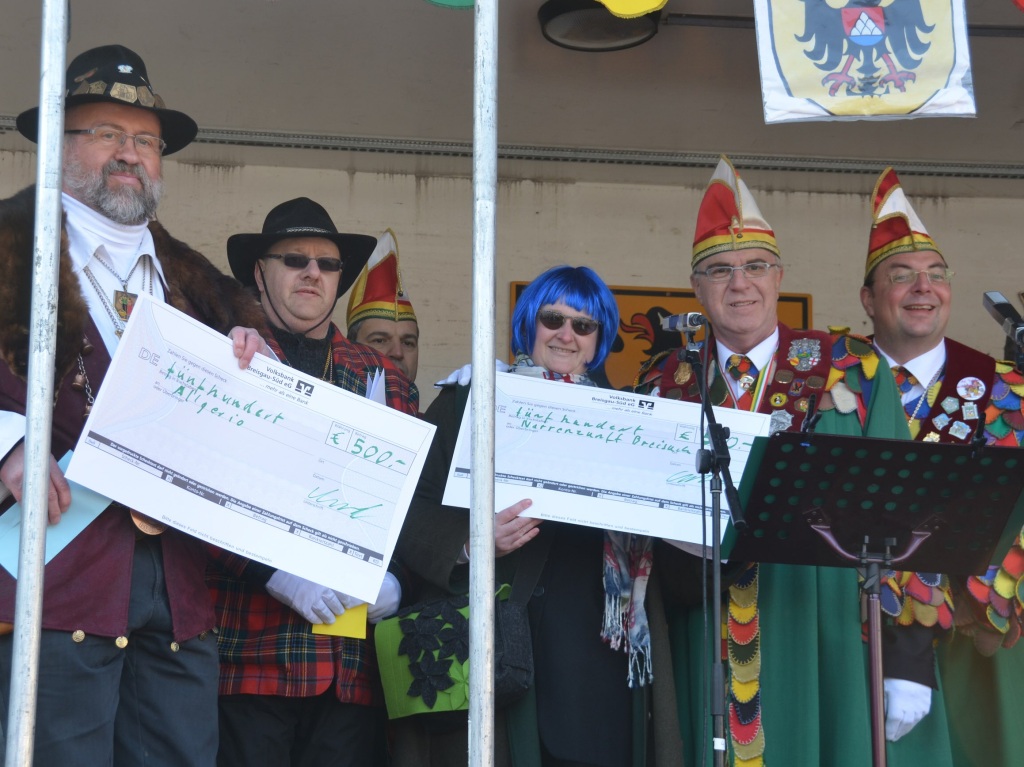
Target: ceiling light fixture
587,25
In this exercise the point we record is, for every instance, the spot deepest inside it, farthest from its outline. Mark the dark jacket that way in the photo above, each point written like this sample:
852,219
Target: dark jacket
577,675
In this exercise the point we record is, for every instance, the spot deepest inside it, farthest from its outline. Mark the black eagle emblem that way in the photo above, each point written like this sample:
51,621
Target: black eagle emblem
883,37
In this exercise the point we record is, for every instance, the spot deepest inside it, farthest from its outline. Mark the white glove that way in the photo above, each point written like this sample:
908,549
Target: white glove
315,603
464,374
387,600
347,601
906,704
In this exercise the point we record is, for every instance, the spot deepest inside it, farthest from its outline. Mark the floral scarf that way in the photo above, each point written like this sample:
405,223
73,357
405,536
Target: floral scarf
627,568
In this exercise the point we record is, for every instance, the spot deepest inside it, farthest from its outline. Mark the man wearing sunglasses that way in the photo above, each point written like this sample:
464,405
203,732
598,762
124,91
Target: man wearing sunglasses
288,696
947,390
794,633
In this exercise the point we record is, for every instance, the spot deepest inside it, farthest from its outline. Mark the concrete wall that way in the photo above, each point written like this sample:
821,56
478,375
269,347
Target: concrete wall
632,235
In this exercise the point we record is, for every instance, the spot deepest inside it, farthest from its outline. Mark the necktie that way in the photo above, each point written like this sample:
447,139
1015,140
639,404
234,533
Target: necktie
744,373
905,381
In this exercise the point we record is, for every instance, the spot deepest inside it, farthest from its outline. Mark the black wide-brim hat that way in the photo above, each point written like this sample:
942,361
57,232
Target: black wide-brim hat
300,217
114,74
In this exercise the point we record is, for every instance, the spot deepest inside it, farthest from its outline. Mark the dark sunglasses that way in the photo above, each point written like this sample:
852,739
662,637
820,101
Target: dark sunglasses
581,326
299,261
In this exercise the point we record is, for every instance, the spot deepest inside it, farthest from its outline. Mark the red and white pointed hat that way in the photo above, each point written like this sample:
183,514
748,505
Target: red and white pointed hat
895,227
378,292
728,218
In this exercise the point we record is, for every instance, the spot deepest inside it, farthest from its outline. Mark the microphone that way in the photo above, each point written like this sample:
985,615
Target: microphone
1003,312
688,322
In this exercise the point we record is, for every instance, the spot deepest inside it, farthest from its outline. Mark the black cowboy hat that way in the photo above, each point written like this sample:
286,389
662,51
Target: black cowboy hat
300,217
114,74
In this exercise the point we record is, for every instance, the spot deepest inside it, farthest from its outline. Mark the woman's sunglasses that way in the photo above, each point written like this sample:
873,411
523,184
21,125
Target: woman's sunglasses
581,326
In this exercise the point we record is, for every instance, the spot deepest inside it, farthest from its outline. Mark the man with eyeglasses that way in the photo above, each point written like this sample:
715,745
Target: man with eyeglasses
798,690
128,670
948,390
288,696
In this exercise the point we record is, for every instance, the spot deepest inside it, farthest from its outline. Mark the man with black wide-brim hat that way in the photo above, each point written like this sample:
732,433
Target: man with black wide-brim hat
289,696
129,660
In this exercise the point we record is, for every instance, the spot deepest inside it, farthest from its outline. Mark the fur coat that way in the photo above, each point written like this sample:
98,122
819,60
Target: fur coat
194,286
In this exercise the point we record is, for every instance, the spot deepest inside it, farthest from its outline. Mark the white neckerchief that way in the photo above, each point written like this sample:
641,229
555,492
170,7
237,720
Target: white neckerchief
93,236
760,356
925,368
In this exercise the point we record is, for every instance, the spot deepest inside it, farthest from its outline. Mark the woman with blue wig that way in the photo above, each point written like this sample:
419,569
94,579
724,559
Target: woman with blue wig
592,614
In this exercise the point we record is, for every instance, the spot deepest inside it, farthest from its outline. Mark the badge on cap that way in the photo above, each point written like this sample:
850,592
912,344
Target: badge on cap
125,69
971,388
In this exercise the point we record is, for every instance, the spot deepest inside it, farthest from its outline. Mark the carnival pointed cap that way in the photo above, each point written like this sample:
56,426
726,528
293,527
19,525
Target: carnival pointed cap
895,227
378,292
728,218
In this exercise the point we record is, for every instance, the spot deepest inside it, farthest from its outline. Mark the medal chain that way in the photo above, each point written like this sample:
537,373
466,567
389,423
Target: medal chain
921,400
86,387
107,305
122,280
328,374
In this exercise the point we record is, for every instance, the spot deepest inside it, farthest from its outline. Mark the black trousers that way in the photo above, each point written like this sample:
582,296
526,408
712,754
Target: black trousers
275,731
152,702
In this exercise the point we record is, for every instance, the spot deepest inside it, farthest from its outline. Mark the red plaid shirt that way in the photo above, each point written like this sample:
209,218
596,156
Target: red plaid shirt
267,648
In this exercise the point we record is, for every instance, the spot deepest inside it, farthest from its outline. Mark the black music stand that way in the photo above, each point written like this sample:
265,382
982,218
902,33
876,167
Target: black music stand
838,501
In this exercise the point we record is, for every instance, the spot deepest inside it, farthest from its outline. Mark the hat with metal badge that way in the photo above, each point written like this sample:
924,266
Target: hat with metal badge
301,217
378,293
115,74
895,226
728,218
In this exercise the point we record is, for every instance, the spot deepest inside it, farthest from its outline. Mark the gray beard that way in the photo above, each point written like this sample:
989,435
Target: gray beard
122,205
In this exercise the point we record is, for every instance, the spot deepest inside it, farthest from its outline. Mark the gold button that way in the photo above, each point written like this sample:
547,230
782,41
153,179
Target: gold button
78,635
203,635
175,647
121,642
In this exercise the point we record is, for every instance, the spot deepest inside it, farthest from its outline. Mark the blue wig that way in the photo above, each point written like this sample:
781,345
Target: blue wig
575,286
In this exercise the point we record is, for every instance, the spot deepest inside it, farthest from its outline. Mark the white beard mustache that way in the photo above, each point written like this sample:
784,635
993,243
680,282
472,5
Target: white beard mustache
121,204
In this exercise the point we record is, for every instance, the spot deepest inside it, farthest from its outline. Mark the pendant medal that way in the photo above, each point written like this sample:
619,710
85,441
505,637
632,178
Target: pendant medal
124,302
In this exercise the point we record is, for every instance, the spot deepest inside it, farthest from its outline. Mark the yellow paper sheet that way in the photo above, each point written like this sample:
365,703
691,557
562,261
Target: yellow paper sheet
351,623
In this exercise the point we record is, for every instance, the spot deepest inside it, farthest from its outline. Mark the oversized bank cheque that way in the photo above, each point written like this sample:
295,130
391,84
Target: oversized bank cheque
266,462
601,457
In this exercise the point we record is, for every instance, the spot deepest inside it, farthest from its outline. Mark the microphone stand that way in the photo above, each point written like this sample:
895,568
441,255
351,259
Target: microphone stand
716,462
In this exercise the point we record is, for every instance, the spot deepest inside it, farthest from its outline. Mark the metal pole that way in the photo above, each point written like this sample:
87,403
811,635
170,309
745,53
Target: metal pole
481,531
39,409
